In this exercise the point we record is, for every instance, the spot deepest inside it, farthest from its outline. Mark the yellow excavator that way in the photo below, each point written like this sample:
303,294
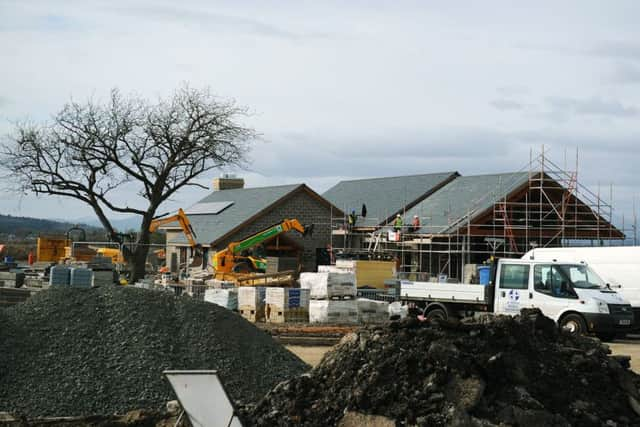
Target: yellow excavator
182,219
232,260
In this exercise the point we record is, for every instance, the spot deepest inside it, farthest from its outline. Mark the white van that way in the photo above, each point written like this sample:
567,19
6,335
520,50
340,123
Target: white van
619,267
571,294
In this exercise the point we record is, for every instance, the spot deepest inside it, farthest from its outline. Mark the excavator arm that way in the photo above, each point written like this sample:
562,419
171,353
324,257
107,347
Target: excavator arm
182,219
188,231
224,260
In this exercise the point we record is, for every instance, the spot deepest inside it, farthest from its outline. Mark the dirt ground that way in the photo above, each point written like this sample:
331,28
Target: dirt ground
310,354
630,347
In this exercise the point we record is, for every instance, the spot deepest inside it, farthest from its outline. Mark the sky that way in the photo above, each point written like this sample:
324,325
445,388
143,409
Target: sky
346,90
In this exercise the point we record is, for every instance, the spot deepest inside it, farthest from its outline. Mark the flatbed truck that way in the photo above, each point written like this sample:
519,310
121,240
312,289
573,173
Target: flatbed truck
571,294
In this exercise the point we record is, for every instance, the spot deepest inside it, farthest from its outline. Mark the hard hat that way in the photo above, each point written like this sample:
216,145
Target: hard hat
415,216
398,215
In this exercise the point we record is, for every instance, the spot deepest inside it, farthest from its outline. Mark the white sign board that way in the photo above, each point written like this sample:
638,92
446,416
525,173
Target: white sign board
203,398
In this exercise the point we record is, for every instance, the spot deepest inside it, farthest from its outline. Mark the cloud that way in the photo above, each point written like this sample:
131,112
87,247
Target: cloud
507,104
512,90
616,49
625,74
592,106
620,49
45,23
382,153
214,22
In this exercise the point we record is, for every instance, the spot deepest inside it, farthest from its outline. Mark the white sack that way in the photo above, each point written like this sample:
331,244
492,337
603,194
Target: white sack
397,309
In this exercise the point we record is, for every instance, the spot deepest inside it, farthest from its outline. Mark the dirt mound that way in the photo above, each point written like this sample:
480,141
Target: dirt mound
516,371
73,352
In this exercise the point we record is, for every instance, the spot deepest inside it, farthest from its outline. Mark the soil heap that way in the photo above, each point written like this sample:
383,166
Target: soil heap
515,371
69,352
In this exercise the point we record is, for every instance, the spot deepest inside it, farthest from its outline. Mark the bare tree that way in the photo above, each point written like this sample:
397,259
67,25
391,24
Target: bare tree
91,150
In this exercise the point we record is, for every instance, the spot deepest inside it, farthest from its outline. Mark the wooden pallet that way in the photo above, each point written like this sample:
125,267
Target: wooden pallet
252,313
275,314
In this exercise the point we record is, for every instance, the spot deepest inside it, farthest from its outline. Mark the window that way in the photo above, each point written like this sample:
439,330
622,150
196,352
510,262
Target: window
549,279
514,276
582,276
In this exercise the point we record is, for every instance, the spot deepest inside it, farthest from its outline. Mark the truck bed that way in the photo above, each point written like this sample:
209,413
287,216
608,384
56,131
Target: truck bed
443,292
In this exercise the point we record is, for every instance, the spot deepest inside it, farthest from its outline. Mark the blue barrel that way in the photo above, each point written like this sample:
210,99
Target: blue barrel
8,259
484,273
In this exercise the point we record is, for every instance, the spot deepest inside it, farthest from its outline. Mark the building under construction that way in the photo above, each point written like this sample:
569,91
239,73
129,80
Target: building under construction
467,219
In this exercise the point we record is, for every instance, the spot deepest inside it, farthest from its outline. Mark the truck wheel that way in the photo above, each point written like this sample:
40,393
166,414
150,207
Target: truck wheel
574,324
436,314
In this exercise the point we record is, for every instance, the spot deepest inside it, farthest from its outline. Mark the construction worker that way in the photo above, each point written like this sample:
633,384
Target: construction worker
397,224
415,224
352,220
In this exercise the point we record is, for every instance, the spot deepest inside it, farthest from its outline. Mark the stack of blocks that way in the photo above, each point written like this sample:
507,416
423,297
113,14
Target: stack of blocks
60,275
287,305
81,278
332,297
10,279
251,301
63,276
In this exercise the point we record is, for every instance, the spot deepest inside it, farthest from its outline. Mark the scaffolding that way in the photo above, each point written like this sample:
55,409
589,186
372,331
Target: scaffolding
550,208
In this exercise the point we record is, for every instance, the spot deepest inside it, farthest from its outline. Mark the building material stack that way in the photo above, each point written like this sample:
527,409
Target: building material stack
60,275
81,278
371,311
9,279
287,305
103,270
332,297
227,298
251,302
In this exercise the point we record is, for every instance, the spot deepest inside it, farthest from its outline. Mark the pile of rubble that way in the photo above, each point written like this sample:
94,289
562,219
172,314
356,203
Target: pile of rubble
505,371
71,352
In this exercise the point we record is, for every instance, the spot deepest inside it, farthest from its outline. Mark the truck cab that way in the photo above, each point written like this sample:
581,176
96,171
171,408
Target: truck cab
572,294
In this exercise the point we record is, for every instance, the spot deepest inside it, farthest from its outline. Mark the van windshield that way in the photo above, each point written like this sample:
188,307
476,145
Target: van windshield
582,277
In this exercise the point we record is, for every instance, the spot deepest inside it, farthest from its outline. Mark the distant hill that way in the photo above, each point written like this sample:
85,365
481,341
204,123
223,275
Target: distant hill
120,224
23,226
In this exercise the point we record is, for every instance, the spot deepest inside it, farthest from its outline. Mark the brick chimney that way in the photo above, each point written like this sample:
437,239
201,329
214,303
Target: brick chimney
227,182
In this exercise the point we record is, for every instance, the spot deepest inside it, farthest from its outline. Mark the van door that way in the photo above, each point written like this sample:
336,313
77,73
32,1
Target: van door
512,288
551,290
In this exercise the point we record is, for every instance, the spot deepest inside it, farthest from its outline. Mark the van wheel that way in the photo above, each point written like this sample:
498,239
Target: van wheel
436,314
574,324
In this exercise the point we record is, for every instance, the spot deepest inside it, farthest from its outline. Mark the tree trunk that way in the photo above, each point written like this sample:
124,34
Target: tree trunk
139,254
138,263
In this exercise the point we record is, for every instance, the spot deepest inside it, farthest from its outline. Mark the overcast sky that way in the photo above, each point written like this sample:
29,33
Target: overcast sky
353,89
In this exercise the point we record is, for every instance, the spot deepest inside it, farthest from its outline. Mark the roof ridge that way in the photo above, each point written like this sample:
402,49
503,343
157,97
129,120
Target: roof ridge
494,174
397,176
258,188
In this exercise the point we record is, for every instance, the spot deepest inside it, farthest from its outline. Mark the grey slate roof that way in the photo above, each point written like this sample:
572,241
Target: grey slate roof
384,197
442,211
247,202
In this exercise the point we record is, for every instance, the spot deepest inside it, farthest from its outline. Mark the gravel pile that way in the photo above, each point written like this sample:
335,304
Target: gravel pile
507,371
69,352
